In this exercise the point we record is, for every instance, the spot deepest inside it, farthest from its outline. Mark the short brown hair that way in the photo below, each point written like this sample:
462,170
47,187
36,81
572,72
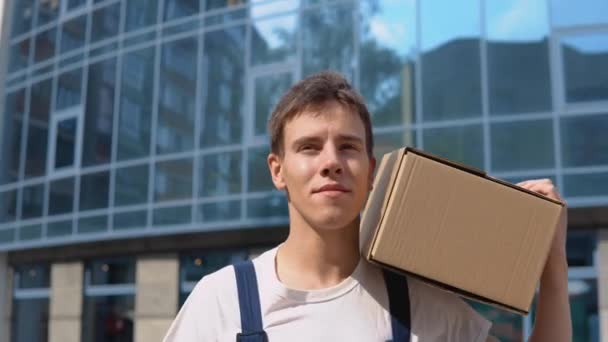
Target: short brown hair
314,91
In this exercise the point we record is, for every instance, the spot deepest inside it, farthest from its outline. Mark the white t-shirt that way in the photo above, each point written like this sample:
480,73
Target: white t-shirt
354,310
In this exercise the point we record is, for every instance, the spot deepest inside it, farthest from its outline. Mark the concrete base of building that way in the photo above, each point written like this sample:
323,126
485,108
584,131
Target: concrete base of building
5,298
66,302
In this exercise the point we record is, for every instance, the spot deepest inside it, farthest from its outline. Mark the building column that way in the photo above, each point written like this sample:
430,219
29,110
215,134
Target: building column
6,282
156,296
65,318
603,283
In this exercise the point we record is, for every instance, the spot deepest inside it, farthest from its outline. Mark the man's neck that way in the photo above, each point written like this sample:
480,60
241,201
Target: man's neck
314,258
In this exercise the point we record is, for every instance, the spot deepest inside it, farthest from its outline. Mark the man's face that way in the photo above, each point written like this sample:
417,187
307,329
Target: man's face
325,168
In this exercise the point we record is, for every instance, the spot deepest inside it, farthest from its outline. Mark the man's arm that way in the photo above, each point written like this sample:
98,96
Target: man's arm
552,321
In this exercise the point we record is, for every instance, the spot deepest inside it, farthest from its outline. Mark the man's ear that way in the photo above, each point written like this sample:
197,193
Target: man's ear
372,168
276,170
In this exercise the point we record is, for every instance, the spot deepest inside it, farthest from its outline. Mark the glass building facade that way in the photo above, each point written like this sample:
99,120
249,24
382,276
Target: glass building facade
126,119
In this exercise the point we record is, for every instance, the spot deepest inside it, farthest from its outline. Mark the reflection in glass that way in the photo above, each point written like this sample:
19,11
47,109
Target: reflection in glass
387,142
136,98
65,143
45,45
585,67
215,4
506,326
273,40
130,220
584,140
268,89
34,276
220,174
69,89
518,57
22,17
38,127
223,92
73,4
59,228
61,196
451,71
94,188
48,11
219,211
108,318
99,113
586,185
31,232
93,224
522,145
19,55
257,170
175,9
73,33
131,185
105,22
173,180
30,320
566,13
177,93
462,144
326,45
171,216
14,106
8,206
273,205
32,201
140,14
387,67
112,271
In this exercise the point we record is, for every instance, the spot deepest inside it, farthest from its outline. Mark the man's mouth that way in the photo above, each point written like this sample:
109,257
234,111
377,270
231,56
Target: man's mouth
335,189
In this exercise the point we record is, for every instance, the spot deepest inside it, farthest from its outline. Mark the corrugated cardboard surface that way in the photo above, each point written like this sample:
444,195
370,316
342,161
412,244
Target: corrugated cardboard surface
460,230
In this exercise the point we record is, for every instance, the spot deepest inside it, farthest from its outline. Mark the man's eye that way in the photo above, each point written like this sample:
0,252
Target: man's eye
349,147
306,147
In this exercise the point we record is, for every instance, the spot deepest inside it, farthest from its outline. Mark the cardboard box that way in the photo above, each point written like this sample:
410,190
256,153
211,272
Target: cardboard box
458,229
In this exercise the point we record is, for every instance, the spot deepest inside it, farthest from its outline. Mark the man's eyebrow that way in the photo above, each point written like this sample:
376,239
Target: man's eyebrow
350,138
305,139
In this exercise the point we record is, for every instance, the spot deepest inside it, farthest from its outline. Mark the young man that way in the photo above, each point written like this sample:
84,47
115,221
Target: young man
315,286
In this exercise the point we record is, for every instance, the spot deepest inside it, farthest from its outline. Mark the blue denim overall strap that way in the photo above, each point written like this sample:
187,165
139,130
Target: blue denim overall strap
399,305
252,329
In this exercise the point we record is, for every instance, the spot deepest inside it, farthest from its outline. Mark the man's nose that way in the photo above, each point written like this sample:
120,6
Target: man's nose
332,165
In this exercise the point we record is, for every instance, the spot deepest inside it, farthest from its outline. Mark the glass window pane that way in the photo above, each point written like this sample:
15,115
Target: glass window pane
33,232
387,44
581,247
99,113
65,143
69,89
173,180
585,67
172,216
136,99
7,236
518,56
33,276
19,55
131,185
59,228
130,220
273,205
450,92
140,14
522,145
584,12
32,201
268,90
38,126
48,11
14,107
73,33
194,267
326,45
112,271
219,211
105,22
30,320
215,4
220,174
175,9
224,87
94,190
95,224
22,17
257,170
108,318
584,140
45,45
177,93
586,185
73,4
274,40
8,206
388,142
61,196
584,310
463,144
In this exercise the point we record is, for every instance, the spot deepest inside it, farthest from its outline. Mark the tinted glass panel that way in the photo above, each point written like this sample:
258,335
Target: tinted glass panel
45,45
326,45
99,113
136,99
273,40
19,55
32,201
196,266
60,228
140,14
172,216
105,22
518,57
271,206
268,89
48,11
177,93
30,320
590,184
93,224
585,67
37,135
173,180
65,143
112,271
219,211
584,310
460,143
131,185
73,33
61,196
33,276
387,142
220,174
585,12
69,89
180,8
8,206
94,190
213,4
14,107
224,87
522,145
33,232
450,92
108,318
258,173
130,220
73,4
22,17
584,140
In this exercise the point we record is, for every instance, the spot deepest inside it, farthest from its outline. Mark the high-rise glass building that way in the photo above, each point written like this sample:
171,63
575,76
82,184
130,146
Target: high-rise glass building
133,137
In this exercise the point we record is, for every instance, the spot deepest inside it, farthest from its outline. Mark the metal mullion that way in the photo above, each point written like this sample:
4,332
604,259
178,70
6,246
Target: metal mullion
452,123
521,117
220,149
523,173
37,293
485,105
248,114
219,198
418,77
129,208
198,109
22,153
109,290
585,169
